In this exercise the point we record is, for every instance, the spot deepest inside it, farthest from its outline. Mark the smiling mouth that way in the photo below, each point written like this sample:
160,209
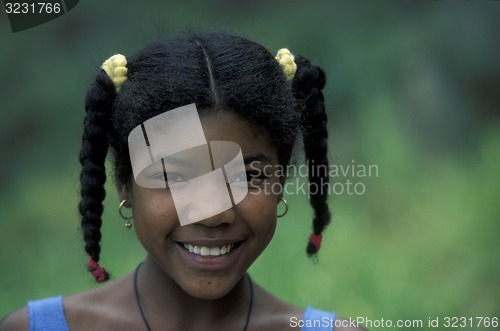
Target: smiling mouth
209,251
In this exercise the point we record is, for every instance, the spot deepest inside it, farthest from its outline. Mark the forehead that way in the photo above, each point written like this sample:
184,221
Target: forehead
227,126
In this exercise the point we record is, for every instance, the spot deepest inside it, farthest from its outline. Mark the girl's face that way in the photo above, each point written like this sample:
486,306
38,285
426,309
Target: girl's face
238,235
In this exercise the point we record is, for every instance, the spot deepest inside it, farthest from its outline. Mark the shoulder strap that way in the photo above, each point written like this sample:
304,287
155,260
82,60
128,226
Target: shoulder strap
47,315
318,320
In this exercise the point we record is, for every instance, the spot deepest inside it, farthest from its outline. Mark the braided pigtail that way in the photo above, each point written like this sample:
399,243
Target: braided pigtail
98,103
95,144
308,83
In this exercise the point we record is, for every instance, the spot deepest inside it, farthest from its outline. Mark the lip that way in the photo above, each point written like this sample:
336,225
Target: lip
209,262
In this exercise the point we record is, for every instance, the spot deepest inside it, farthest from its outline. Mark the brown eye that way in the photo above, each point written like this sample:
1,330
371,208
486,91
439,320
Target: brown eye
253,178
176,179
239,178
173,179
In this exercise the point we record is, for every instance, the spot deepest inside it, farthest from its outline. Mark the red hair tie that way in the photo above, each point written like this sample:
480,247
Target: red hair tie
316,240
97,271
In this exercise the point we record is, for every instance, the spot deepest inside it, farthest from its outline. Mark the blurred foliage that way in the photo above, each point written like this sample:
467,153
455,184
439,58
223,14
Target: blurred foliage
412,88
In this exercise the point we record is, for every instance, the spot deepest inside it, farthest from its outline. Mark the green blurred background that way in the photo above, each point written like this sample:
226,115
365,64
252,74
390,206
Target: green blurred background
413,87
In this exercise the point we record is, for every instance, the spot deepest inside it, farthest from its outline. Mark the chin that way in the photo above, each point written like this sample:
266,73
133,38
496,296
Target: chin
209,289
209,295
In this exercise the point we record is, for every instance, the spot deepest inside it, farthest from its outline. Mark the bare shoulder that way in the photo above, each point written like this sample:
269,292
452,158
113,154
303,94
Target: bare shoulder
271,313
16,321
104,308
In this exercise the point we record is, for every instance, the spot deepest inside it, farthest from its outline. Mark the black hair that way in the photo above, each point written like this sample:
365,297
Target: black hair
214,71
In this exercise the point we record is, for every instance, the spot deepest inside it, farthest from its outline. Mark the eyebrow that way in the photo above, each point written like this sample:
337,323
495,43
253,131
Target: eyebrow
259,157
174,160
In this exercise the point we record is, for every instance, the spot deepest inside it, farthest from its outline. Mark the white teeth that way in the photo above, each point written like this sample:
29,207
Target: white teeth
205,251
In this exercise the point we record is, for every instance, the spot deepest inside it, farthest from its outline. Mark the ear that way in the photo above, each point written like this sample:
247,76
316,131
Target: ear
125,193
278,198
281,193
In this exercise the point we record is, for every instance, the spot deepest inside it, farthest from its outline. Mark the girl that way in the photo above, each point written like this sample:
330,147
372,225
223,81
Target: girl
162,113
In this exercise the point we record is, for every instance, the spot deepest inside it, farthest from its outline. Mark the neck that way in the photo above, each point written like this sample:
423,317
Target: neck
163,299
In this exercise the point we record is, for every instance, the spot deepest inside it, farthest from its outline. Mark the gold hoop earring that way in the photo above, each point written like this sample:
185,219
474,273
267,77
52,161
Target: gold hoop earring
286,208
128,224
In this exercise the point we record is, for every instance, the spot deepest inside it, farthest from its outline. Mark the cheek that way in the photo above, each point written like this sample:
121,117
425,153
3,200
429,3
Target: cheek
154,214
259,212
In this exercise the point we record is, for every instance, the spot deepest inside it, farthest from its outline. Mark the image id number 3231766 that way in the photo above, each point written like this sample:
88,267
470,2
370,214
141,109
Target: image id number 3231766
32,8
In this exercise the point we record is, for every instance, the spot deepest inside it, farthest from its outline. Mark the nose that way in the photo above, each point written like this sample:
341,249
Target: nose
225,217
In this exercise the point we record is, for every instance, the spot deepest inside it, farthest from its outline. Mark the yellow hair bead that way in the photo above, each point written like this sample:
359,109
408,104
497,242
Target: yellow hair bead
116,68
287,62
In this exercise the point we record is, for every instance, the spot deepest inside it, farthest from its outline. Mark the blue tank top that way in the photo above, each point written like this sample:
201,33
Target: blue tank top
48,315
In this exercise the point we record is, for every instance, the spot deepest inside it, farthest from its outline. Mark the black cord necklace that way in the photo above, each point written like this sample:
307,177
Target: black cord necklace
136,291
